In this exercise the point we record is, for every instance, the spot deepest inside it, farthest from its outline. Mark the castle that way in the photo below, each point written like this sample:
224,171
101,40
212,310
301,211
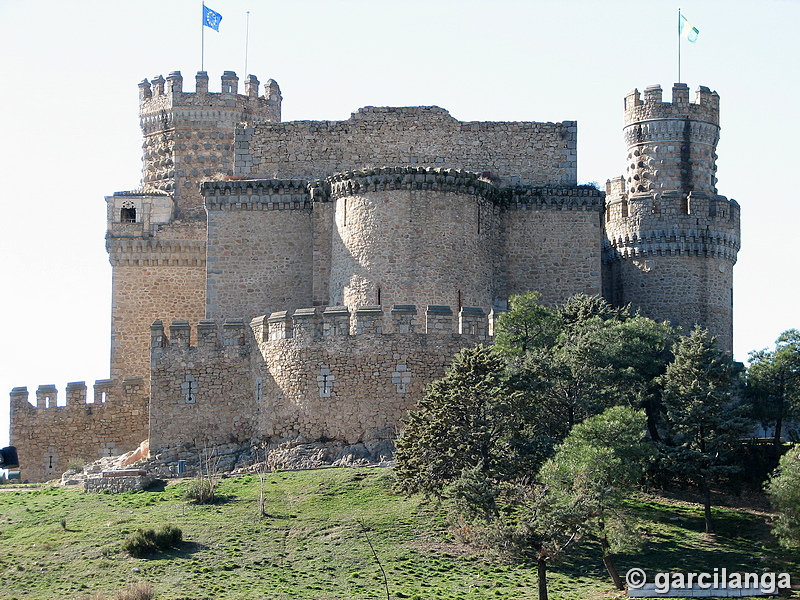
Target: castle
306,280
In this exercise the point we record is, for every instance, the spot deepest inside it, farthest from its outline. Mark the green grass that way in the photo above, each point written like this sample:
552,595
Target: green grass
311,545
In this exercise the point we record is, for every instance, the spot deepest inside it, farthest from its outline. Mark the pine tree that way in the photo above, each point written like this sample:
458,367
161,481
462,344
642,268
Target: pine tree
703,421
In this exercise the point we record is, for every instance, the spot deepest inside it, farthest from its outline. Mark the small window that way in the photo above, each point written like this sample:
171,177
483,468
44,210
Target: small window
127,214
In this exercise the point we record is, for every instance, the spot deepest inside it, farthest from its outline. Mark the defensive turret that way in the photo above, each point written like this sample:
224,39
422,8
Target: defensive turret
671,240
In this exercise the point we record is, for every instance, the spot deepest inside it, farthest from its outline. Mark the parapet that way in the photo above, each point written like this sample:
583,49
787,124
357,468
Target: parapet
209,335
410,178
705,106
256,194
671,224
162,94
401,319
76,394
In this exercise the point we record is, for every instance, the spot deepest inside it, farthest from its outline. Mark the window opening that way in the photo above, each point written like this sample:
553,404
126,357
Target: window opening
127,214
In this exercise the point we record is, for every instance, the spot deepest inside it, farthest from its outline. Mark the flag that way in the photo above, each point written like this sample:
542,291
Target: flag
211,18
687,30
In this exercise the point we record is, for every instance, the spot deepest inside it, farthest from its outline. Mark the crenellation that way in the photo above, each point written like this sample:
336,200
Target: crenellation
473,321
179,334
280,325
175,82
46,396
404,319
335,321
438,320
207,334
306,323
76,393
368,319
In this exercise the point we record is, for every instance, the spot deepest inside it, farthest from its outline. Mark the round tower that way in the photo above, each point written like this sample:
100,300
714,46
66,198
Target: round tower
189,137
670,240
414,235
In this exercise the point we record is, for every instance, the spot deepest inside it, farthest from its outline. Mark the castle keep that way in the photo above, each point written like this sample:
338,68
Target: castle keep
306,280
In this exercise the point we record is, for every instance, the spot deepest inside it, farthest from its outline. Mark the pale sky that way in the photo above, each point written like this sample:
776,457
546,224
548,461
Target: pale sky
70,134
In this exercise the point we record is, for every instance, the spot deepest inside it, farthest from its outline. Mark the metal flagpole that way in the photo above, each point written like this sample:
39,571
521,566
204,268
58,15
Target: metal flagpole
679,45
246,42
203,39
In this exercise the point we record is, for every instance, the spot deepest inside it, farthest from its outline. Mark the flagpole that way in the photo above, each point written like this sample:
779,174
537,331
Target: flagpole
203,39
679,45
246,42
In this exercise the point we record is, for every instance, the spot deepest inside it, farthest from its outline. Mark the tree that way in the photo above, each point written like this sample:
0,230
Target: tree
703,422
783,489
585,483
773,383
526,326
578,359
468,418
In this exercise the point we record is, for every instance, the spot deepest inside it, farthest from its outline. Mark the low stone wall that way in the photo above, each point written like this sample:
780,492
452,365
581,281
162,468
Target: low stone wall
118,483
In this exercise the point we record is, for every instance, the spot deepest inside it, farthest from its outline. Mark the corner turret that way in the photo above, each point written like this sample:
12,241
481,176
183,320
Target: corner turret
670,239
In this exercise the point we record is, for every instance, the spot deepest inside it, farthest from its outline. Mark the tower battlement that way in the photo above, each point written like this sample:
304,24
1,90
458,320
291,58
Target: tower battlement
189,136
671,145
704,107
164,94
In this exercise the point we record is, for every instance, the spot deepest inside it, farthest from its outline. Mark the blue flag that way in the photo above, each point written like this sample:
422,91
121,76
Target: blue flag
211,18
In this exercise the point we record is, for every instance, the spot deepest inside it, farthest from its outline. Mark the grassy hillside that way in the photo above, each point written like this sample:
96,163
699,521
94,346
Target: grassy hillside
57,542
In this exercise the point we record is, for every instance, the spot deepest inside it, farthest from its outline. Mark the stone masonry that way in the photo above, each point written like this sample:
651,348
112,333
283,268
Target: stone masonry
304,281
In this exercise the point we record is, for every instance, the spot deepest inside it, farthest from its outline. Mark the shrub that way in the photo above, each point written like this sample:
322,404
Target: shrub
201,491
137,591
76,464
149,541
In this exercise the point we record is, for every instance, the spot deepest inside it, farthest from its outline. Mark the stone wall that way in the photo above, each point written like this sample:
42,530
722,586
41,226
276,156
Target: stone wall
47,436
260,247
552,242
427,136
301,375
200,394
672,258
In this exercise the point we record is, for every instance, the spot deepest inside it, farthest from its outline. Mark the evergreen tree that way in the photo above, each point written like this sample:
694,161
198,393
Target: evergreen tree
468,418
703,422
587,480
783,489
773,383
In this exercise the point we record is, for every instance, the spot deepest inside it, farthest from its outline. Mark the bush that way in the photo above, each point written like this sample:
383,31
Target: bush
76,464
150,541
201,491
135,591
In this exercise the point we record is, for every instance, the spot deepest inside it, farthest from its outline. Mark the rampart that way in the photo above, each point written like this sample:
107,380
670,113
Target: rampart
48,436
311,373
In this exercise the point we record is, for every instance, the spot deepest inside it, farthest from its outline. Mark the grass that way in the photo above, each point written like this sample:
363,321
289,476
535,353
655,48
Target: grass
311,544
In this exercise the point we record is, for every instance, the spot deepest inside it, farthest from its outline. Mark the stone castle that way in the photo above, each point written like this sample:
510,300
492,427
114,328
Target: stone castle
306,280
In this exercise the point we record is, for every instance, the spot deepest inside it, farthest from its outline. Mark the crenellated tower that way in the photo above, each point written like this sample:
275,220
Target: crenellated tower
157,235
189,137
670,239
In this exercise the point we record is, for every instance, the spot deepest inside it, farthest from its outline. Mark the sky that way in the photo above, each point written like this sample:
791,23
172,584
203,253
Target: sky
70,133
